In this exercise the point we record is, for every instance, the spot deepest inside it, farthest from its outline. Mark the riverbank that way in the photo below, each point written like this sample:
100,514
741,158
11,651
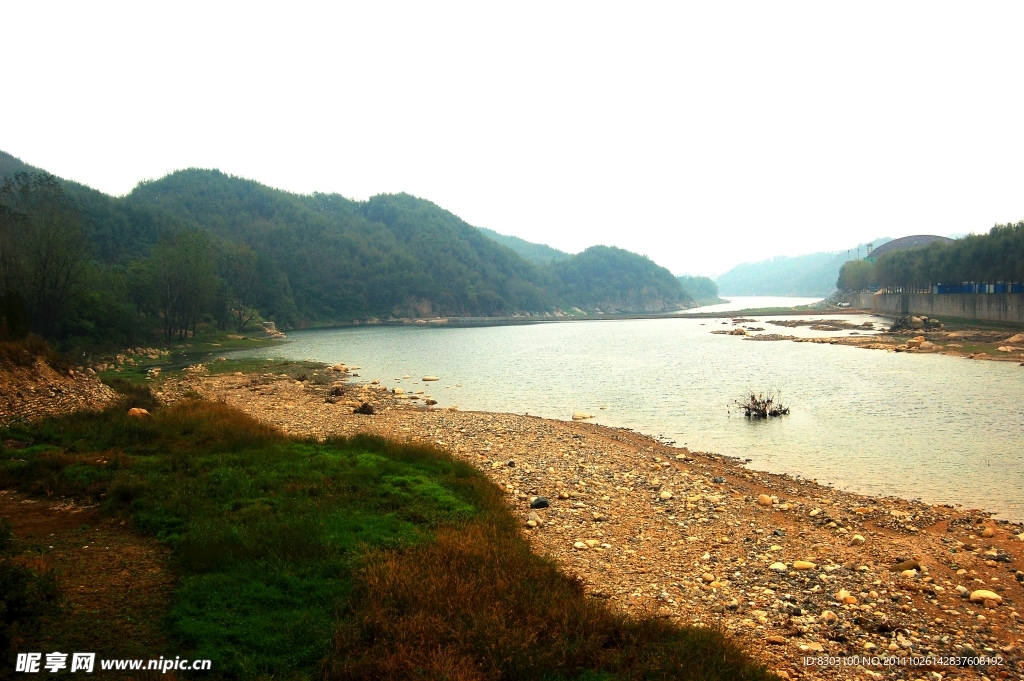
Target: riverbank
789,567
970,341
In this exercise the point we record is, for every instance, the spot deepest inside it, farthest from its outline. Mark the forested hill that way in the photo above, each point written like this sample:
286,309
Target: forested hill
803,275
538,254
310,259
614,280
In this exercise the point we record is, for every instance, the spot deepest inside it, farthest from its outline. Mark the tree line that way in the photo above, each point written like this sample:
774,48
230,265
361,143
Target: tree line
995,257
53,285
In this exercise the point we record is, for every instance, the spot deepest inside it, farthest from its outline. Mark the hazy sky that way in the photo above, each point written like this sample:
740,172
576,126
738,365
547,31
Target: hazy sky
702,134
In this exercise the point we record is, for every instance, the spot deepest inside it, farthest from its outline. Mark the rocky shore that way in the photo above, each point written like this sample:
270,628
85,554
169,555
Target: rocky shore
38,390
793,569
982,344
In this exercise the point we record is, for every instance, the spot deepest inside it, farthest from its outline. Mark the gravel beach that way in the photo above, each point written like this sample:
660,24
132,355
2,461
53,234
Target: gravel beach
816,582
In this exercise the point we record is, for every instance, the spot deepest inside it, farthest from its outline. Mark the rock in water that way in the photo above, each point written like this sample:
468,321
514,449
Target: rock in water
430,378
539,502
581,416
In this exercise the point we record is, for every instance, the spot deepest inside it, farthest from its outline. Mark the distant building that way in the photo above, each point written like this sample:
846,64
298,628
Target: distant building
905,243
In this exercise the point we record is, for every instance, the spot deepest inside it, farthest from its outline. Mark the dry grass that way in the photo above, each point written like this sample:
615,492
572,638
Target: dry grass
476,604
26,351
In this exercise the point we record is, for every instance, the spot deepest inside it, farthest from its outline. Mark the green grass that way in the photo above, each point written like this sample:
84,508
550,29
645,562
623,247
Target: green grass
350,559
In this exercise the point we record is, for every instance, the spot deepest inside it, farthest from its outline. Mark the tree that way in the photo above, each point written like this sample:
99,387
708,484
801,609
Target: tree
184,278
43,252
240,269
855,275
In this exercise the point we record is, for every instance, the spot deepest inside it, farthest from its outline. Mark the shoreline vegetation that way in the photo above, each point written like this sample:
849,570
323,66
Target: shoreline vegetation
288,555
782,566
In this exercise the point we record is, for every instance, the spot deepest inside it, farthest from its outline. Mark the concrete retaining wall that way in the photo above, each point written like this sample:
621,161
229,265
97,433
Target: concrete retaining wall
860,301
995,307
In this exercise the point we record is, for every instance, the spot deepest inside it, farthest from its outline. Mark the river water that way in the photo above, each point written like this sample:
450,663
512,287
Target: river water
938,428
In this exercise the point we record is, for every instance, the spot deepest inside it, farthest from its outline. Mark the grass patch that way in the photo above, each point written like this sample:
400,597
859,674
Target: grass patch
27,351
348,559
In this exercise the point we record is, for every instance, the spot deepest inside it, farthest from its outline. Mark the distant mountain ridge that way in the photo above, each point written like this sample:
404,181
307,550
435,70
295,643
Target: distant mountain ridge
809,275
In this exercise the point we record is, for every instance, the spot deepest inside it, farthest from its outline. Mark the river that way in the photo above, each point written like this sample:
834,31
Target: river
943,429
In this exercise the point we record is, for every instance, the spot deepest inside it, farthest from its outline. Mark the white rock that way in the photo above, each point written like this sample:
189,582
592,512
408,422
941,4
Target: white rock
665,496
778,567
430,378
982,595
581,416
580,545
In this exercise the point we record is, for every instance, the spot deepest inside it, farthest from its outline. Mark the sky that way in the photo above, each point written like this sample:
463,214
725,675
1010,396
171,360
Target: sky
701,134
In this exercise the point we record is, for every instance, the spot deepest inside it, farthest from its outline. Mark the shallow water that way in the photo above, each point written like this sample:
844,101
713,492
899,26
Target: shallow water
940,428
751,303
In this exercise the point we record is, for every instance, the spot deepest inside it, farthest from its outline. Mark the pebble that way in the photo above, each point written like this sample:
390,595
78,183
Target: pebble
982,595
764,500
906,565
540,502
665,496
856,540
778,567
579,545
803,565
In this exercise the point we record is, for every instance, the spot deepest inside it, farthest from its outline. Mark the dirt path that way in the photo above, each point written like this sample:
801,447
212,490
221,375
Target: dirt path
116,584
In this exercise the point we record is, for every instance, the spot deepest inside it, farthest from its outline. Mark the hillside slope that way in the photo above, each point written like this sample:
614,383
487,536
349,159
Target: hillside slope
611,280
538,254
325,259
